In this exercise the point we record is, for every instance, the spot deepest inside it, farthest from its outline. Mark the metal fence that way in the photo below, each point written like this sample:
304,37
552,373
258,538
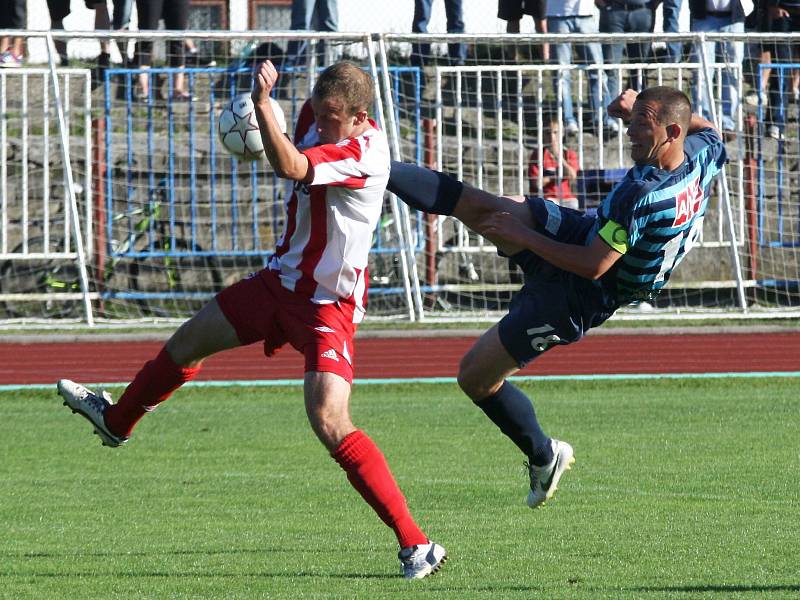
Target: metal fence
167,219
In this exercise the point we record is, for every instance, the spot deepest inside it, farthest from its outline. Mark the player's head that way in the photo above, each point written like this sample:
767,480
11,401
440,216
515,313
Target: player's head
659,122
341,98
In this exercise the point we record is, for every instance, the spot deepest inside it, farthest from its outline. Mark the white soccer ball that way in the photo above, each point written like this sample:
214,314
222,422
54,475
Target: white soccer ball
238,127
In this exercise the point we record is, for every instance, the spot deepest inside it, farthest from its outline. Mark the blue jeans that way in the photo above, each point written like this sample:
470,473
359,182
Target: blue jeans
730,52
671,9
323,14
782,53
455,24
587,54
619,20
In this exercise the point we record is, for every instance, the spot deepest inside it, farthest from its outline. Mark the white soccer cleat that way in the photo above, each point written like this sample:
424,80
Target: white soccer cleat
91,406
544,480
422,560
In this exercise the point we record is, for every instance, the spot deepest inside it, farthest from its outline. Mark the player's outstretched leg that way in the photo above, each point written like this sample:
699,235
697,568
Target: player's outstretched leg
544,479
92,406
482,375
421,560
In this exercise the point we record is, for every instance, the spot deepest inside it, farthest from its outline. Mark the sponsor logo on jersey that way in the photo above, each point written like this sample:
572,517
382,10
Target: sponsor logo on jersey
688,203
324,329
330,354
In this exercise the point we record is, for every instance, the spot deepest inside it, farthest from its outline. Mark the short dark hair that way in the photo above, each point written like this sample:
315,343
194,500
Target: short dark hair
350,83
673,105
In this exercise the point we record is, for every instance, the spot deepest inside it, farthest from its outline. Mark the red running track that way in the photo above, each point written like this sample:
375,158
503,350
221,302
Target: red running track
407,357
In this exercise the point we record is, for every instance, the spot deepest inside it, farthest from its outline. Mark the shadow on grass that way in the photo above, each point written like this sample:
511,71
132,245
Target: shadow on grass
71,554
732,589
204,575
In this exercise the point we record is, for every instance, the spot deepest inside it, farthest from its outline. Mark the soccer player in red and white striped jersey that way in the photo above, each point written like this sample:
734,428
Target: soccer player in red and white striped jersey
312,294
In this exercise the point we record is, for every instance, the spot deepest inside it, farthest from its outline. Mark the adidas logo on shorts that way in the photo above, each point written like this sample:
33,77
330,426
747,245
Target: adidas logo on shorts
330,354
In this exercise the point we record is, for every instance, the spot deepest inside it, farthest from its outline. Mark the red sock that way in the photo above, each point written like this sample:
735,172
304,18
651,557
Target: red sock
368,472
151,386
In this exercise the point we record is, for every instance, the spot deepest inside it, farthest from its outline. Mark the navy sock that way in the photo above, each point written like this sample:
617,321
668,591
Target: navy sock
429,191
512,411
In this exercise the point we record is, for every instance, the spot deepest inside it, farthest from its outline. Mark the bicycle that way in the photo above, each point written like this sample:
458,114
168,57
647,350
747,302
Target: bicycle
49,276
165,275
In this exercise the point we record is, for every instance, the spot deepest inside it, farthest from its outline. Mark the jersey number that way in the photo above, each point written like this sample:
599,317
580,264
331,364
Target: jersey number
542,341
672,247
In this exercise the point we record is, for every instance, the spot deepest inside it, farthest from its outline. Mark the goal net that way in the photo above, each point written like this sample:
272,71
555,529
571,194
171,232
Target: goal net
167,218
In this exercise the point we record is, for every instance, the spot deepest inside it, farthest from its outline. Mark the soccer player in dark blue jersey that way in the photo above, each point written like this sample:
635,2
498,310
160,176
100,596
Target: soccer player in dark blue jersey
578,269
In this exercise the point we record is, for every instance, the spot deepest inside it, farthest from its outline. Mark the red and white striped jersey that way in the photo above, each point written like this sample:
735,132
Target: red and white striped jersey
323,250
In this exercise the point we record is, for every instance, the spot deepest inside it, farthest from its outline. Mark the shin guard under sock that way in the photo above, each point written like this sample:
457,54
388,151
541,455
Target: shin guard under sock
153,384
369,473
512,411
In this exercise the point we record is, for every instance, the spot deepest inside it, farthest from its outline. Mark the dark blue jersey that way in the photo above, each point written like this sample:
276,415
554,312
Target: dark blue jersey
654,217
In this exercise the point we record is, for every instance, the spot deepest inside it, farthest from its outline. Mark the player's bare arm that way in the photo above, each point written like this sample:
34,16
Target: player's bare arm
287,161
589,262
698,123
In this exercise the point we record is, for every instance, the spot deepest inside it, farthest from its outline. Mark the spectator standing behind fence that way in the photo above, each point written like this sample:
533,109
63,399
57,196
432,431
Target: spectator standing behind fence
577,16
59,9
512,12
556,187
670,12
455,24
624,16
720,16
311,15
784,17
13,15
176,17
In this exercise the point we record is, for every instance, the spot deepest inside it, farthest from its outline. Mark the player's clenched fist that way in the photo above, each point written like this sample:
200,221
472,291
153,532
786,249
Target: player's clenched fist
505,227
622,106
265,79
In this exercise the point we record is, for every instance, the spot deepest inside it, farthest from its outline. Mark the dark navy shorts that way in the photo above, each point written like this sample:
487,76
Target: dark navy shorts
554,307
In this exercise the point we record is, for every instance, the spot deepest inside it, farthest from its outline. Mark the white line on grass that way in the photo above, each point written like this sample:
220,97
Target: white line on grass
398,380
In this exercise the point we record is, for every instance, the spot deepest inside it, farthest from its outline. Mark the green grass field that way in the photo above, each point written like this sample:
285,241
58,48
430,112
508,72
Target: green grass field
690,492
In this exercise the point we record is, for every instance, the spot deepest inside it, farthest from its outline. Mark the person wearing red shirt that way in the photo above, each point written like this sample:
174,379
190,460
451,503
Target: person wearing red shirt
555,180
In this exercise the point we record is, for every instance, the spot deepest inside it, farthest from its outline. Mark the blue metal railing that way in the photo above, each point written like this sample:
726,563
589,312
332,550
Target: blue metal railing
146,114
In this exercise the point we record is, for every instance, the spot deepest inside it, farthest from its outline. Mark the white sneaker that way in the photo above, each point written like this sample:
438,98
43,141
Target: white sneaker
544,480
10,60
774,132
422,560
756,98
571,128
91,406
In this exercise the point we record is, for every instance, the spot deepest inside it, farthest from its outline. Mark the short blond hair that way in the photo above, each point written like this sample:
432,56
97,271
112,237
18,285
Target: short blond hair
348,82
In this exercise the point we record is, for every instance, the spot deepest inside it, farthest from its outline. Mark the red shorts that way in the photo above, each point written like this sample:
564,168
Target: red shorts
260,308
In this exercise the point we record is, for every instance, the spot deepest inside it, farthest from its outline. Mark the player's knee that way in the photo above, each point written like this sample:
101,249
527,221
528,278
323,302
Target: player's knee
475,379
181,347
470,380
330,427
